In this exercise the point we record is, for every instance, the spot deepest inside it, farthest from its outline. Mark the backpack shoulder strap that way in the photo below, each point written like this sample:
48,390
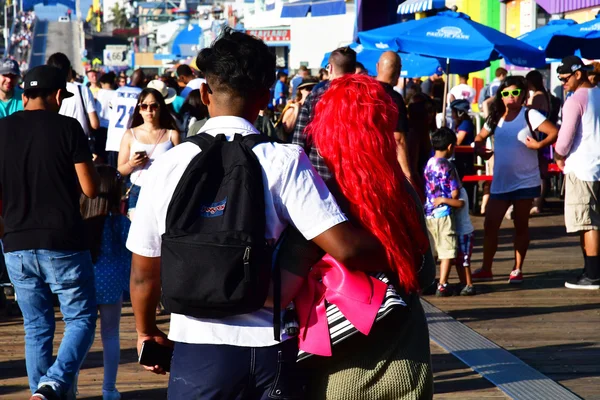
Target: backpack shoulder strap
533,133
254,139
202,140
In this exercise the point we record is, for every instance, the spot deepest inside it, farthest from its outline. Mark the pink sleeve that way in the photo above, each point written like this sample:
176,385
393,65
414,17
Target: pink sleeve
571,118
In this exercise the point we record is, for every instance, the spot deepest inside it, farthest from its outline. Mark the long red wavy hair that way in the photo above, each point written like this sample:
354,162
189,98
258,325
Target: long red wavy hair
353,129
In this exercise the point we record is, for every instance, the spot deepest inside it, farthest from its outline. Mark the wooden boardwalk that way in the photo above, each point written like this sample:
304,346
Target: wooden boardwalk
453,379
553,329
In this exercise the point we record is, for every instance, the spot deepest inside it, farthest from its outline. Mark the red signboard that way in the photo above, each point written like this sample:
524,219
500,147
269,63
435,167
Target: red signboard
271,35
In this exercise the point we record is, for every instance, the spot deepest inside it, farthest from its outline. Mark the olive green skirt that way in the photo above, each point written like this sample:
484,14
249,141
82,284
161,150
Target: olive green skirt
392,363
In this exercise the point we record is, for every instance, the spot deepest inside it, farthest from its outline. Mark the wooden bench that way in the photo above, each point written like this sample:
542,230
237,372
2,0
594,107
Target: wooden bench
554,172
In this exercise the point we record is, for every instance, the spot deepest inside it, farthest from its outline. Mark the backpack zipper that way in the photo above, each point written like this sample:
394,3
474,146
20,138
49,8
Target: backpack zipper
247,264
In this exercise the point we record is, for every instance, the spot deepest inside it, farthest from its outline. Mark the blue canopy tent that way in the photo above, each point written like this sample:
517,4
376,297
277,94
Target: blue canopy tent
415,6
317,8
187,42
583,37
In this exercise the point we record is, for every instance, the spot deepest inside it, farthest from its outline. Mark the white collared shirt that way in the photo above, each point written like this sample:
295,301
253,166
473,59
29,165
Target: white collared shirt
294,194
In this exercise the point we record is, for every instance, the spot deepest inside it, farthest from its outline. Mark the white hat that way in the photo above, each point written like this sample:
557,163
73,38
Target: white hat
168,93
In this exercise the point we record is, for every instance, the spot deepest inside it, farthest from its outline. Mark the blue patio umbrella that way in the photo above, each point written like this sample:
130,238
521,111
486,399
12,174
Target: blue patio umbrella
453,36
540,38
584,37
413,65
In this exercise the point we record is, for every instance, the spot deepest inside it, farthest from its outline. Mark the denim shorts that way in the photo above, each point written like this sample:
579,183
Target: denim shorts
134,195
519,194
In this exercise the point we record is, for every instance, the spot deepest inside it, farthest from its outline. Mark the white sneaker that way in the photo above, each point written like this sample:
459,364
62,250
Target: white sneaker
111,395
509,212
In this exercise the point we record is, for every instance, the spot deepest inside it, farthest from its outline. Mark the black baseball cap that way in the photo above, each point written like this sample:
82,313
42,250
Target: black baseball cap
461,105
307,83
46,77
572,64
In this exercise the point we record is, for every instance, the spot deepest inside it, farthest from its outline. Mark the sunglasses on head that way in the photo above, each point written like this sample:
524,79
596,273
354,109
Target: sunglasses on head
566,79
151,106
513,93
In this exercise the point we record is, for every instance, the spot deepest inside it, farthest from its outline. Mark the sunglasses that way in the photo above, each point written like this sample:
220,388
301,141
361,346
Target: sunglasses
513,93
566,79
151,107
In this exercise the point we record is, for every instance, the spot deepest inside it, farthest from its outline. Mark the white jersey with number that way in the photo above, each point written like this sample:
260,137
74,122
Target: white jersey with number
122,107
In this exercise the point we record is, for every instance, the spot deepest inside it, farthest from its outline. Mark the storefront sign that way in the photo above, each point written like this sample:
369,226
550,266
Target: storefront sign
271,35
117,56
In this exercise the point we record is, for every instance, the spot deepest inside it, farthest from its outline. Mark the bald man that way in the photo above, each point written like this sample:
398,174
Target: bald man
388,73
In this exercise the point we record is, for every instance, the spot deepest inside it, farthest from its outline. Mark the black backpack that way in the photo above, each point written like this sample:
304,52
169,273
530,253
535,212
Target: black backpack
555,106
215,261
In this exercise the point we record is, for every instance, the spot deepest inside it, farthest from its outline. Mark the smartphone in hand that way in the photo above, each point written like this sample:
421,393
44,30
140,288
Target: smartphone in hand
141,153
153,354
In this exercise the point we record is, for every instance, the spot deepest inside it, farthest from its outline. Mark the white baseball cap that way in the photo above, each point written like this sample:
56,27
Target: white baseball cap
168,93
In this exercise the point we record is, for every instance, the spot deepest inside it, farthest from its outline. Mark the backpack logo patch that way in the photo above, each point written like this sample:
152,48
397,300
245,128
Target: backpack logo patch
214,209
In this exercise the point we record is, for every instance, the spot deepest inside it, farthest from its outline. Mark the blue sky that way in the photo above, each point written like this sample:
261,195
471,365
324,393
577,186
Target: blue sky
52,13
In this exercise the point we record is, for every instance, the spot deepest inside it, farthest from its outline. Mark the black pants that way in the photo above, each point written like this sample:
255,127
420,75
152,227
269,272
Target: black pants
219,372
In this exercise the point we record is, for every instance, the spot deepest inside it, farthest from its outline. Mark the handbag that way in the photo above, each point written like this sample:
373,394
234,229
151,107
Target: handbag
124,206
545,154
340,328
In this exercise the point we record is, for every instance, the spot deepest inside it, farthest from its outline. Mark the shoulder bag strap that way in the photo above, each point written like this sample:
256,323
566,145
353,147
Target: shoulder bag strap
157,142
533,133
148,154
85,113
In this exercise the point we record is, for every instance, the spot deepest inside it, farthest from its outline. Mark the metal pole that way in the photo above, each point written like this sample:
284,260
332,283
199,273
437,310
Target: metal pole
446,89
21,5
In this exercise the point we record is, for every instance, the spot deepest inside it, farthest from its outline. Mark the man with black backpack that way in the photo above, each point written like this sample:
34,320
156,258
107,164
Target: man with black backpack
205,231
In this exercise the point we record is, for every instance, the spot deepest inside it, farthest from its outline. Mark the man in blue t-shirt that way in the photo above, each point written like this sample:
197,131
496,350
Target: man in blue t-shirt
281,88
10,93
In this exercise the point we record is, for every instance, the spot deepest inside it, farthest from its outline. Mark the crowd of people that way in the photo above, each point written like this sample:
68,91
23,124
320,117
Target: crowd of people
273,218
22,37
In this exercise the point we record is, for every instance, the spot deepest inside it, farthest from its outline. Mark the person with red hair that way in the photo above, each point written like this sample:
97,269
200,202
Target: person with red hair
353,131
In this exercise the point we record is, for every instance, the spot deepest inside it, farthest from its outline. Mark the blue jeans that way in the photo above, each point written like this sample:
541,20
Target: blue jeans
36,275
216,372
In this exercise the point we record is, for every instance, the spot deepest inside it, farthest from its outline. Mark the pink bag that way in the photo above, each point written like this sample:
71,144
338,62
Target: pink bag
357,295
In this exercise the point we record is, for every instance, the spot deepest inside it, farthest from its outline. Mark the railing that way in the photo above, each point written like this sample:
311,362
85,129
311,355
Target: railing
38,44
10,33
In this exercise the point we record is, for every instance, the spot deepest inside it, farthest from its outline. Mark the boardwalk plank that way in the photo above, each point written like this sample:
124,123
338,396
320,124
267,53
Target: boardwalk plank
549,327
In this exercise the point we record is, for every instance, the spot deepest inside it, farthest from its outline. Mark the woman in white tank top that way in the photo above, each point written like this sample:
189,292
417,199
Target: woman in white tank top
153,132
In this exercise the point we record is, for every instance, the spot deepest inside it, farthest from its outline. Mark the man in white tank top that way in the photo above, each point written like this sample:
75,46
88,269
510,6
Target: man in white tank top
578,155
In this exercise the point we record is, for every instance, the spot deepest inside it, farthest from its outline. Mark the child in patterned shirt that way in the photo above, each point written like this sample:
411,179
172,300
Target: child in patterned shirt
442,195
